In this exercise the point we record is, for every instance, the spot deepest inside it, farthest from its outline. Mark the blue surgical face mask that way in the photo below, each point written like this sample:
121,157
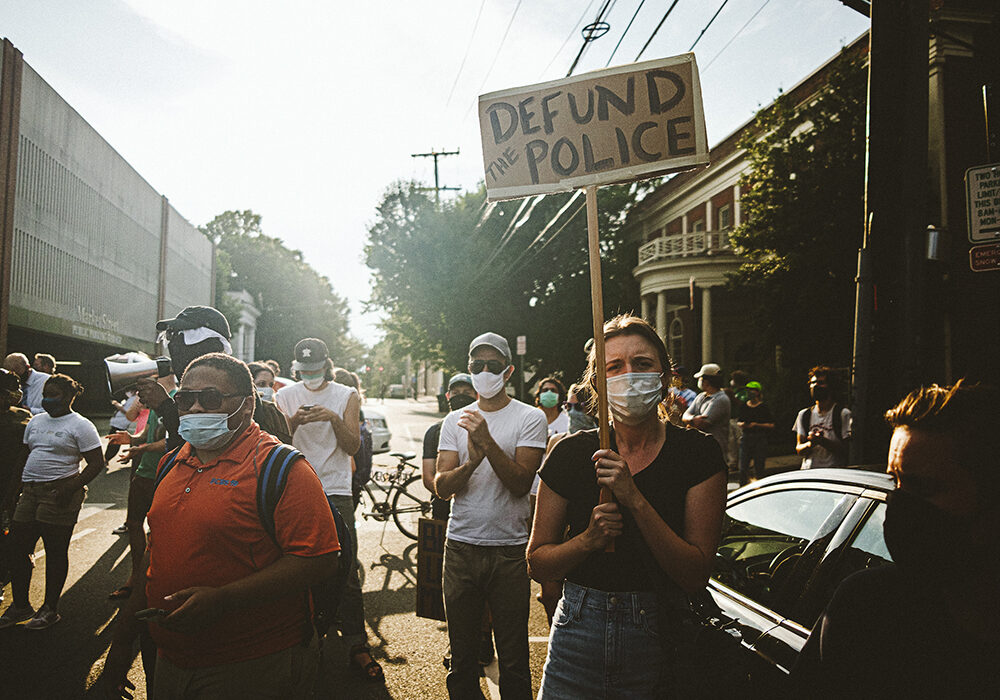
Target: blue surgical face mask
266,393
209,431
53,406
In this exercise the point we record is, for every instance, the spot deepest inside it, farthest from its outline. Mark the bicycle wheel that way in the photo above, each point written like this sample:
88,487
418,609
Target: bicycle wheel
407,509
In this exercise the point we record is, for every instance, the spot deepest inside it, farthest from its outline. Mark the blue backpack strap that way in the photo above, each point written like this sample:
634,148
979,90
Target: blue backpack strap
165,466
271,484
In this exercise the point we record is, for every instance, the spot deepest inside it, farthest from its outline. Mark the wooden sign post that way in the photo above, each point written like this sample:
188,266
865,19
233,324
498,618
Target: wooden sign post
611,126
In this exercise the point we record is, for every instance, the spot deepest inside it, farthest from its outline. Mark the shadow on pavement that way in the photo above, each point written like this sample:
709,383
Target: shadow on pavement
57,662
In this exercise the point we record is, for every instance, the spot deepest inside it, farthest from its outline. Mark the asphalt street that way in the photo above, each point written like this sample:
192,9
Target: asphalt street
64,660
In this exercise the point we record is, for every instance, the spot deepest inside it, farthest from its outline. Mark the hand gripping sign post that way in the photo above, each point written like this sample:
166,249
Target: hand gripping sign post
611,126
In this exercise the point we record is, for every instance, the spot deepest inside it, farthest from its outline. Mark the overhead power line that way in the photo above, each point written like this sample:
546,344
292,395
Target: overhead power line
497,54
472,36
634,15
662,20
708,25
587,39
517,222
739,31
566,40
583,205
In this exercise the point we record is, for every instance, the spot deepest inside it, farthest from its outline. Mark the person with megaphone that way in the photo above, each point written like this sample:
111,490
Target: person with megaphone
196,331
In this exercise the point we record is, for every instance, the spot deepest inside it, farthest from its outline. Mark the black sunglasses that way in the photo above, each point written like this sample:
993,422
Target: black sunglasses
210,399
494,366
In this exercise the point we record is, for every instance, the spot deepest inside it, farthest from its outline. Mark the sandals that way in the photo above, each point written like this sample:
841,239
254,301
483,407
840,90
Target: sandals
370,672
120,593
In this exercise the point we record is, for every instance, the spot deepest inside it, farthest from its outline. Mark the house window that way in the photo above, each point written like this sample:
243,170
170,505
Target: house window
699,225
675,341
725,217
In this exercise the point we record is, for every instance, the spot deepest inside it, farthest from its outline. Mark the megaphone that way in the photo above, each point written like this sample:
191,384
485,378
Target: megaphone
125,370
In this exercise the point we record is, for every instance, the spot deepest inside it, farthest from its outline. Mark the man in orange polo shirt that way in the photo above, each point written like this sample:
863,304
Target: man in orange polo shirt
236,618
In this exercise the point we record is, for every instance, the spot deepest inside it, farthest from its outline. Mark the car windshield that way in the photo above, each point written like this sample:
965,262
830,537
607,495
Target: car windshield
764,537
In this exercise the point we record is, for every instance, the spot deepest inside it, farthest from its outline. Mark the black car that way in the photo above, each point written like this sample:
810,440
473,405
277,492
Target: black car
787,542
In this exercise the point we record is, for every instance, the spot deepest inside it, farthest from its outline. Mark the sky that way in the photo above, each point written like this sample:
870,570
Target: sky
306,111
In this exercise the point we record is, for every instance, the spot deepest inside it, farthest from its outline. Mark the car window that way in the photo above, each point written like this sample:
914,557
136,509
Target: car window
865,550
764,538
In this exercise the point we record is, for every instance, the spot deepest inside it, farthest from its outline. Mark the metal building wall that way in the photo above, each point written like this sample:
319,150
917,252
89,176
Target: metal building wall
188,265
86,254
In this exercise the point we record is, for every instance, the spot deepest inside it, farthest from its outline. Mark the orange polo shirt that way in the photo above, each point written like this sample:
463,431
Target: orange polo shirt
205,531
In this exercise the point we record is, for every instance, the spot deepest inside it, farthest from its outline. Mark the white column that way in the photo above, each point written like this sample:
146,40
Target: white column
736,205
251,340
706,326
661,315
645,306
237,343
708,216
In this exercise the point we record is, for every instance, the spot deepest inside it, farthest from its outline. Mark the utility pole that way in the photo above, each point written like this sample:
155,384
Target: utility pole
889,340
437,187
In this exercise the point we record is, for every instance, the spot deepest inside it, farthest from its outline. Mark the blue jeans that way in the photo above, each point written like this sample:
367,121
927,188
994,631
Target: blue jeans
603,646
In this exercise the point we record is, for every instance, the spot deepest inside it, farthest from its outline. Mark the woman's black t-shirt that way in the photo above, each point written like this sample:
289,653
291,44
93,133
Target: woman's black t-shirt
687,458
754,414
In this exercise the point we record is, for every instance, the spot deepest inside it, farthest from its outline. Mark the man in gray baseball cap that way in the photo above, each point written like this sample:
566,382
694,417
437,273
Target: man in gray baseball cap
487,458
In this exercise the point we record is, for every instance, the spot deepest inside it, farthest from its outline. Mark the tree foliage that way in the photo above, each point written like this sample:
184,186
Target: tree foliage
447,273
295,301
802,219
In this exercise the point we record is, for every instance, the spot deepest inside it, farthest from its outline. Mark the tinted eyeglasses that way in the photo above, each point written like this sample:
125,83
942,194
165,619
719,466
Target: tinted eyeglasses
574,406
210,399
494,366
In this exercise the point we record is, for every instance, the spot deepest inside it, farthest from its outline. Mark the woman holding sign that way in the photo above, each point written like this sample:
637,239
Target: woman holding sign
664,523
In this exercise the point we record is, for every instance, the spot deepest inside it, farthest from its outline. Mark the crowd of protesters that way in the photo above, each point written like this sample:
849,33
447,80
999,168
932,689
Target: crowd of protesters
619,536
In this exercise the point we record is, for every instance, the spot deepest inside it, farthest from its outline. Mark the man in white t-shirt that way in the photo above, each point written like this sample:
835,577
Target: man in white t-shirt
32,381
487,459
324,420
823,430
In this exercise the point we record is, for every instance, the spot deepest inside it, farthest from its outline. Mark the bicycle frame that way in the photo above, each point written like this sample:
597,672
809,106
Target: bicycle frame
392,486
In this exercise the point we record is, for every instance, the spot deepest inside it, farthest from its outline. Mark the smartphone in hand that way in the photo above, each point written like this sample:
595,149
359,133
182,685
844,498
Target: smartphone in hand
151,614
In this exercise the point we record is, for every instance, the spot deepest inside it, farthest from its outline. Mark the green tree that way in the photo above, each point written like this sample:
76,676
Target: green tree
445,274
295,301
802,216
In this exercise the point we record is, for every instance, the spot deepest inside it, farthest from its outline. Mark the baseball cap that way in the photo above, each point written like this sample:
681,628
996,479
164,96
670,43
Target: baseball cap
197,317
497,342
311,354
711,369
754,385
460,378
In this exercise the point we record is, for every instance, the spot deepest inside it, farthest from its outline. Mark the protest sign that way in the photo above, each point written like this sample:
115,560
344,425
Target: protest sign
616,125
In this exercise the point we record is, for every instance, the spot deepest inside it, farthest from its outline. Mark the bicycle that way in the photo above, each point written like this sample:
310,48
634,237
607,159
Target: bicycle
406,508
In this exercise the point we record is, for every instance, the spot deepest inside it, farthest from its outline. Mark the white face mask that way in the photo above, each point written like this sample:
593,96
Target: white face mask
266,393
313,383
488,385
633,395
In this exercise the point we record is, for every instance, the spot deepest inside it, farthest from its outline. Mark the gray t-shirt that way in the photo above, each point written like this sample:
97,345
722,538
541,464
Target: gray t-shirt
820,456
485,512
716,409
